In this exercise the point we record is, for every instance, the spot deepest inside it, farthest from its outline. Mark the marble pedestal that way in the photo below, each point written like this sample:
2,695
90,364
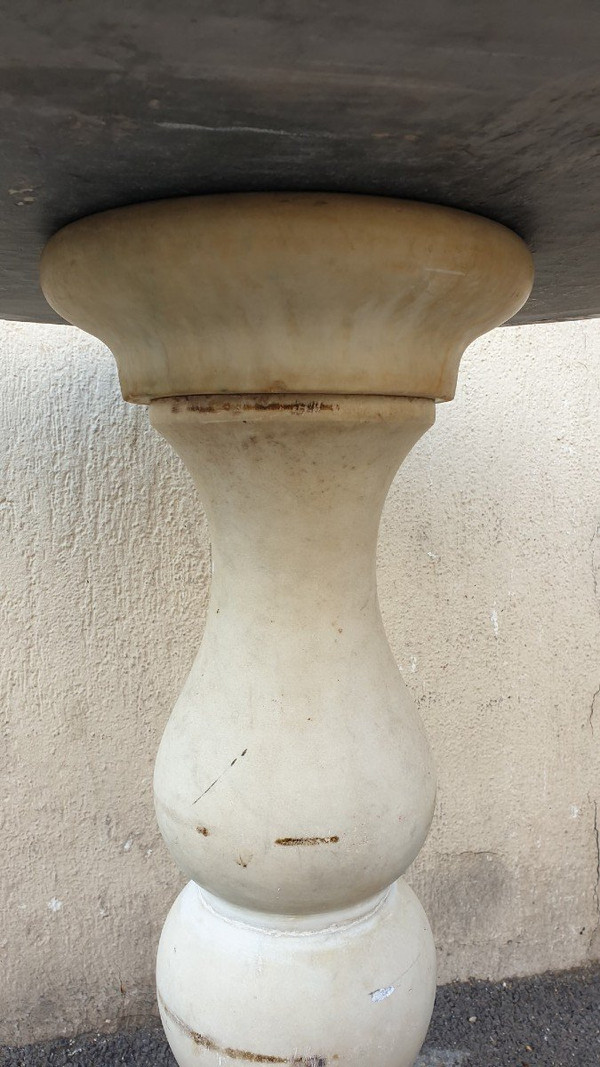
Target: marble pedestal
291,348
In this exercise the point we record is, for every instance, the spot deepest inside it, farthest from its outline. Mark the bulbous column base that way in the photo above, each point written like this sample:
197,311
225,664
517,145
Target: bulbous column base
350,992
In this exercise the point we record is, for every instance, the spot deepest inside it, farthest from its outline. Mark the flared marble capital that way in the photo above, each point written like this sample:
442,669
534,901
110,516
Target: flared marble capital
286,292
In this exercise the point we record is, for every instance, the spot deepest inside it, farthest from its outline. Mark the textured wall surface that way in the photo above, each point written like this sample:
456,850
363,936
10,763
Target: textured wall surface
488,571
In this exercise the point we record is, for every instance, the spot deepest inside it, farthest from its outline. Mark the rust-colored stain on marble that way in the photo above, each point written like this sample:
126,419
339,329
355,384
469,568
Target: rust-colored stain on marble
271,400
290,841
203,1041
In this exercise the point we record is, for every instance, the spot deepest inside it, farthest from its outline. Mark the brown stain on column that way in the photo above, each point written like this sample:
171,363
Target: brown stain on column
290,841
203,1041
240,403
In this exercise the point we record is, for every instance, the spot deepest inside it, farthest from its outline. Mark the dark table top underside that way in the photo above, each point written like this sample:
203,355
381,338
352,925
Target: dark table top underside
491,107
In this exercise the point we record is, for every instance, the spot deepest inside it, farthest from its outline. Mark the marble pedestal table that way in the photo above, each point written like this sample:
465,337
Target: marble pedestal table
291,349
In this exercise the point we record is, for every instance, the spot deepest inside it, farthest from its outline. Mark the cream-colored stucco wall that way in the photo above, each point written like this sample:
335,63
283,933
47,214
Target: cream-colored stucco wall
488,571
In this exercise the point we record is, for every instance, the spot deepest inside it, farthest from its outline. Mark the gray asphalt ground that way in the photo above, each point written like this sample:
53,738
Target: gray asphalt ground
547,1021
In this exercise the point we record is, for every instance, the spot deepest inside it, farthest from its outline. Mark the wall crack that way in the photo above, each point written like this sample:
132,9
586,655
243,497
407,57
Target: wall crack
597,881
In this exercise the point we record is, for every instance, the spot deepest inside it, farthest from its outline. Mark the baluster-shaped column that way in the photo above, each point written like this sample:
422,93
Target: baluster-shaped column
291,349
